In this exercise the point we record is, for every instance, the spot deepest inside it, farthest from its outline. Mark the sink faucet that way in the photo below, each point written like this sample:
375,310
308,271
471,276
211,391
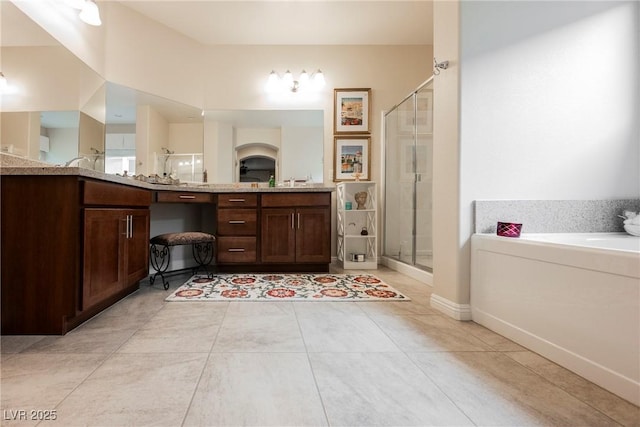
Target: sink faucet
75,159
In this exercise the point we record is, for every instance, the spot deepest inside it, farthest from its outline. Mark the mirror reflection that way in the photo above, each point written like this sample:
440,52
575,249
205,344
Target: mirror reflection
87,122
147,134
252,145
54,111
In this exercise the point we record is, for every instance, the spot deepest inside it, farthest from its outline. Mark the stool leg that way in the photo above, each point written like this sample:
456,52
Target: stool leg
160,259
203,255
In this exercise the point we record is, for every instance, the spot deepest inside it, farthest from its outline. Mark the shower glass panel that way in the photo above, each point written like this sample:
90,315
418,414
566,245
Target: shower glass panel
408,177
424,177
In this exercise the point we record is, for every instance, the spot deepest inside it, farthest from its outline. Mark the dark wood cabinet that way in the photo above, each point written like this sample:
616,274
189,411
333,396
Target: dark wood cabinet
237,228
288,231
71,247
296,235
299,233
116,252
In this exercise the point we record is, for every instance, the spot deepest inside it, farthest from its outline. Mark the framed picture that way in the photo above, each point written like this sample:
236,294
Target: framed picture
352,108
352,158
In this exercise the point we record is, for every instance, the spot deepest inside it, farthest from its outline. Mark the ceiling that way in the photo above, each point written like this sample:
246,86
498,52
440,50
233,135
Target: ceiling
295,22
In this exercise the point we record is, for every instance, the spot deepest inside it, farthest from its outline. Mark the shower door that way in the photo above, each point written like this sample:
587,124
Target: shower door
408,175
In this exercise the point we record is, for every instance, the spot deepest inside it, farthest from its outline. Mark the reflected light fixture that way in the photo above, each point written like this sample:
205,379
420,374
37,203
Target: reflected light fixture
90,14
286,83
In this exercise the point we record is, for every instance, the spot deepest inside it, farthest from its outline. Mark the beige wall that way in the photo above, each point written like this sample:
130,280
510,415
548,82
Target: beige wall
90,135
450,267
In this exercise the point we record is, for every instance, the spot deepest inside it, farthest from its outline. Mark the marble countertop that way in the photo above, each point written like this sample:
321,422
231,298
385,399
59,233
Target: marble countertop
244,187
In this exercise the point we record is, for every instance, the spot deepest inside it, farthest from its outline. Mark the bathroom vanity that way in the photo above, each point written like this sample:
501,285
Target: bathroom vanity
75,241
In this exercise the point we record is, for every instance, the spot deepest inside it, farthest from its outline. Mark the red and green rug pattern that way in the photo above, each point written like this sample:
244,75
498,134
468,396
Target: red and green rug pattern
286,287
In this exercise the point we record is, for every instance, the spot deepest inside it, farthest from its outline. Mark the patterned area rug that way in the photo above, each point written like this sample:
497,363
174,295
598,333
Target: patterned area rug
286,287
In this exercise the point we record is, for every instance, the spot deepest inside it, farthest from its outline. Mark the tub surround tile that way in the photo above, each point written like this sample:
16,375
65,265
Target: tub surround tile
608,403
256,389
554,216
492,389
380,389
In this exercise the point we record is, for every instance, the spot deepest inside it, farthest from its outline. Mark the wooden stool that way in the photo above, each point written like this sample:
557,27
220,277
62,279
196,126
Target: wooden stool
160,255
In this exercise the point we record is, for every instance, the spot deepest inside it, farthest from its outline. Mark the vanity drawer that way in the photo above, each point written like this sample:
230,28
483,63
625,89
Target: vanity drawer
236,249
238,200
237,222
295,199
107,194
183,197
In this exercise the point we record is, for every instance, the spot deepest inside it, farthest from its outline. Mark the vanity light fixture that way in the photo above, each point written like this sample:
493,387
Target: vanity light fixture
90,14
275,83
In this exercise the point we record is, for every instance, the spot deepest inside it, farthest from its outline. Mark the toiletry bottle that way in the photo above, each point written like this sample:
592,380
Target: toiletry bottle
272,181
204,176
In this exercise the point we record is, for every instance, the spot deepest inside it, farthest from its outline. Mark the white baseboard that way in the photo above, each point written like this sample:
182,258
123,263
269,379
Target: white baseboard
409,270
450,308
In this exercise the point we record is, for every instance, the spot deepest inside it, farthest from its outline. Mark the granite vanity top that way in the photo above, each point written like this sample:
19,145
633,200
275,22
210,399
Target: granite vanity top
244,187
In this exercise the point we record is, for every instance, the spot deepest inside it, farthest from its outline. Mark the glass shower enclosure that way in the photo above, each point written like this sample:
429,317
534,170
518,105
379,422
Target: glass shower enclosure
408,148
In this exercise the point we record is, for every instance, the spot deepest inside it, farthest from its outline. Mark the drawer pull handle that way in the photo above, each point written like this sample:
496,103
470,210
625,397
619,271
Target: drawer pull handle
236,249
236,200
236,222
184,196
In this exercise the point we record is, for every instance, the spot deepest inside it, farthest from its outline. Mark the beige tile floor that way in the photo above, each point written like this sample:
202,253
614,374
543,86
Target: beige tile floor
148,362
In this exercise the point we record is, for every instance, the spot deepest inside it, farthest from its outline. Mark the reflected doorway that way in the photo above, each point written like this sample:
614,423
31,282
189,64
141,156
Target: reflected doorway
257,169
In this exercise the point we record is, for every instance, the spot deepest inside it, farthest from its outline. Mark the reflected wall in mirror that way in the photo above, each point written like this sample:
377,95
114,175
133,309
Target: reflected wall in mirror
48,83
147,134
251,145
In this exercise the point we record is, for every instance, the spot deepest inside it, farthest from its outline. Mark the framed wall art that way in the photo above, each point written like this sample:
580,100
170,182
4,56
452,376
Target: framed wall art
352,158
352,108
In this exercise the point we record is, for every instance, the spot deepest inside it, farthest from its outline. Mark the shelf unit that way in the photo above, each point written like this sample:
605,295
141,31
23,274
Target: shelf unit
352,221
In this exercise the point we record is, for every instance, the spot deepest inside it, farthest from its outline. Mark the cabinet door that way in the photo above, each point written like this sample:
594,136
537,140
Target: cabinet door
313,235
278,239
104,246
137,246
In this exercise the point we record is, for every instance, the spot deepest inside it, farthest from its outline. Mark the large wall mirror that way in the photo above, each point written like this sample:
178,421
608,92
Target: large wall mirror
252,145
64,113
53,110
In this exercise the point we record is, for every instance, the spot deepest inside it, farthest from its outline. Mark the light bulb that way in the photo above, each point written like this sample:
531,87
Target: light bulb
304,80
288,79
3,82
90,13
318,80
273,82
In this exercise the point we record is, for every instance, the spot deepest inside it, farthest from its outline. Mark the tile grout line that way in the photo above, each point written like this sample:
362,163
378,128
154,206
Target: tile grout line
204,366
313,374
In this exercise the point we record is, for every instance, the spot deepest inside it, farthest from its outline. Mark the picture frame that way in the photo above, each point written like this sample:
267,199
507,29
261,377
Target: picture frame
352,110
352,156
